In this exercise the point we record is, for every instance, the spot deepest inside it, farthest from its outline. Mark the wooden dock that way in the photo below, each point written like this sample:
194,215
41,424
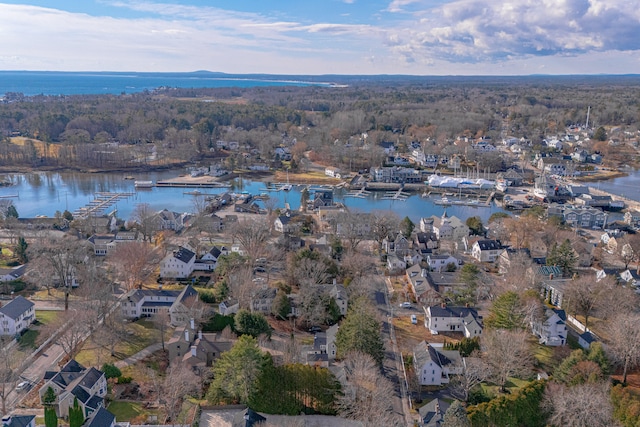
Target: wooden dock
396,195
360,194
100,204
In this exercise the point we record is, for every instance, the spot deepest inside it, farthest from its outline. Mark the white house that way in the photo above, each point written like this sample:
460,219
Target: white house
435,366
486,250
16,316
442,318
440,262
333,172
18,421
553,330
147,302
178,264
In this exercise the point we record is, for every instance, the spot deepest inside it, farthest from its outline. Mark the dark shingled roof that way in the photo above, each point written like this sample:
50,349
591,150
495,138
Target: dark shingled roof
21,420
447,311
186,293
488,245
101,418
95,402
91,378
16,307
184,255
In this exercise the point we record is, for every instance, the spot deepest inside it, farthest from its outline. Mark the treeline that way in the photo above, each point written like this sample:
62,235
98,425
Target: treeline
184,124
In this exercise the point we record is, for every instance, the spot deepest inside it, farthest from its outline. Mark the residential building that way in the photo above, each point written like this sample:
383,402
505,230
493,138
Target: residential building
632,217
11,274
102,243
74,381
435,366
399,245
441,262
394,263
16,316
286,223
486,250
587,217
186,306
196,348
397,174
101,418
445,227
262,300
18,421
422,289
167,220
432,414
333,172
551,331
147,302
443,318
228,307
178,264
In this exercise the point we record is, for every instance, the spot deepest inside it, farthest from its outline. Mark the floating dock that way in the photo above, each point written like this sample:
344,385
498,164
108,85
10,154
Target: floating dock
101,203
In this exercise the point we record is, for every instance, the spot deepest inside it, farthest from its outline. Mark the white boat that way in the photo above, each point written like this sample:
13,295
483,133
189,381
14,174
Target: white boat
143,184
286,187
444,201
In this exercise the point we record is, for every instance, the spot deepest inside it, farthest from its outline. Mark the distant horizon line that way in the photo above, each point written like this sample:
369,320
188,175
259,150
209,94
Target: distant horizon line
222,73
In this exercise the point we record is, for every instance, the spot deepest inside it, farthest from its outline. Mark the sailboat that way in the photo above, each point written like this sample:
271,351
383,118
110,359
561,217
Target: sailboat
287,186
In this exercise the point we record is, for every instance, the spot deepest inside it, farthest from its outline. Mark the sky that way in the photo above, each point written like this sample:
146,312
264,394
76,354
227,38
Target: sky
300,37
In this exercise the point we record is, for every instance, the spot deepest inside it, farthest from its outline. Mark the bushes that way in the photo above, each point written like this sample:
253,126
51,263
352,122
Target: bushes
111,371
626,406
218,322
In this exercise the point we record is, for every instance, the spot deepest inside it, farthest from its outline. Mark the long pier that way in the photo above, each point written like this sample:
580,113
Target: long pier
360,194
97,206
396,195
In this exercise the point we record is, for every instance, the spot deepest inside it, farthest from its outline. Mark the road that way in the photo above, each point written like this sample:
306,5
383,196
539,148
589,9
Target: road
392,363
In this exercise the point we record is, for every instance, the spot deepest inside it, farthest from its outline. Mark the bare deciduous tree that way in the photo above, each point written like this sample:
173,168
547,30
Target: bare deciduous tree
8,362
624,341
366,395
144,219
474,371
131,263
161,321
582,296
179,382
507,353
69,329
252,235
584,405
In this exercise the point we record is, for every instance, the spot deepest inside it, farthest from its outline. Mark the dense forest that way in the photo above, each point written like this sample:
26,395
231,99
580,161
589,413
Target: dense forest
172,125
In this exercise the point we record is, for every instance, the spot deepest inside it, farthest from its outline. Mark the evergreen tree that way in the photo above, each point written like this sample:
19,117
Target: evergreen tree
360,331
12,212
111,371
253,324
475,225
406,227
76,416
281,306
304,198
506,312
50,417
563,256
21,250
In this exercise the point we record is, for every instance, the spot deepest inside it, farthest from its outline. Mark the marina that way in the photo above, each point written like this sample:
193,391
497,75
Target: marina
100,204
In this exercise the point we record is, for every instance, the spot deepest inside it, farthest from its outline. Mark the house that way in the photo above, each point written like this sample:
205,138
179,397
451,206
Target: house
19,421
510,178
551,331
586,217
422,289
74,381
632,217
435,366
102,243
339,295
178,264
228,307
432,414
317,355
262,300
443,318
585,340
426,241
11,274
333,172
510,255
196,348
486,250
556,166
101,418
630,277
147,302
399,246
16,316
441,262
167,220
286,223
322,198
388,147
445,227
394,263
182,309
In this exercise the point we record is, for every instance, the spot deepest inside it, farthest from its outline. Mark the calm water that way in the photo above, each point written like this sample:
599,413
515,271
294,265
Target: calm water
67,83
627,186
45,193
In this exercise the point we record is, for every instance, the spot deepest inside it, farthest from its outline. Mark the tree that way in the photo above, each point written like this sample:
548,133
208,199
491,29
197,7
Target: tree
161,321
600,134
21,250
8,360
281,306
76,415
252,235
131,262
406,227
584,405
582,296
624,342
360,331
111,371
12,212
383,225
253,324
506,312
366,393
456,416
304,199
50,417
236,371
563,256
70,329
179,382
508,354
145,220
474,372
475,225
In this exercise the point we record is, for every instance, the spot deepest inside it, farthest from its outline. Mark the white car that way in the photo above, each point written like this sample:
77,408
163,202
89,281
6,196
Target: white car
414,319
405,304
24,385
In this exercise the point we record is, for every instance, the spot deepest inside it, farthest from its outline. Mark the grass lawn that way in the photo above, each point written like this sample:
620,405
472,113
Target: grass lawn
512,385
47,316
140,334
544,356
128,411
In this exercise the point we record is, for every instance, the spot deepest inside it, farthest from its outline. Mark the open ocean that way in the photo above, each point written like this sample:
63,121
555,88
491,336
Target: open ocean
93,83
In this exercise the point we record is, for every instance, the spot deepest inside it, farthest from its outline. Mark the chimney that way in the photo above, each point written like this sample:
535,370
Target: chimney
334,282
443,305
194,350
200,334
186,335
193,324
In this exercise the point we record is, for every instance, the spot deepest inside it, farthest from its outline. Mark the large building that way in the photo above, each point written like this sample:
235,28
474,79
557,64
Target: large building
16,316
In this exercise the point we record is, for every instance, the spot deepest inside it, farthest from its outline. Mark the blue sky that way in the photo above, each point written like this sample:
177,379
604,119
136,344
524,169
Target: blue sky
423,37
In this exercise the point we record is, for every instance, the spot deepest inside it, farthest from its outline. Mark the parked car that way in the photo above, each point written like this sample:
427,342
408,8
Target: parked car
24,385
414,319
405,304
315,329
